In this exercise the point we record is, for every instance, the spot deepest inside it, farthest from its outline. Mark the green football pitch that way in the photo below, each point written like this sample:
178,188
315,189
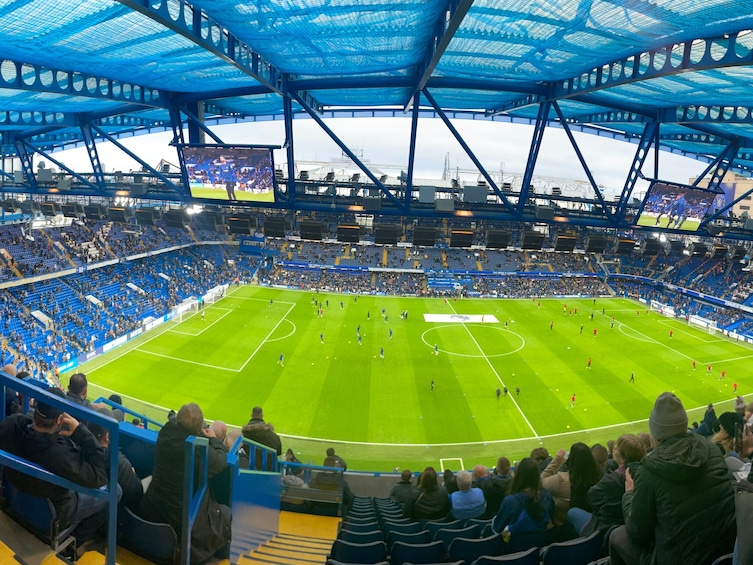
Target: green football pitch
380,413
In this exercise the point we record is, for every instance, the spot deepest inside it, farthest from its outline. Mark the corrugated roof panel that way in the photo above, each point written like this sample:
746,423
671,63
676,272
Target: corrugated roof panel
318,37
18,100
363,97
253,105
107,39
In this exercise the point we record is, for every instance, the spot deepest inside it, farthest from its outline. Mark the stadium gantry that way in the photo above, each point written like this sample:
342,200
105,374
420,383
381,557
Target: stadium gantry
670,76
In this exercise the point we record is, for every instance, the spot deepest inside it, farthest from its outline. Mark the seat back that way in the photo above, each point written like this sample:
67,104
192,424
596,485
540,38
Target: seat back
723,560
528,557
409,528
360,537
402,552
367,553
37,515
152,541
435,526
449,534
579,551
520,541
419,537
360,526
469,549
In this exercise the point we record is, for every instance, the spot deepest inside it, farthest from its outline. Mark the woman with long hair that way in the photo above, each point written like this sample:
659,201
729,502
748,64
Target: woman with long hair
430,501
569,486
605,497
527,507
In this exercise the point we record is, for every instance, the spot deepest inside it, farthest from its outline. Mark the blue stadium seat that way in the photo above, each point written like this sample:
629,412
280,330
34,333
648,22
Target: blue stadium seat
402,552
528,557
367,553
419,537
448,534
436,525
471,549
38,515
150,540
360,537
360,526
579,551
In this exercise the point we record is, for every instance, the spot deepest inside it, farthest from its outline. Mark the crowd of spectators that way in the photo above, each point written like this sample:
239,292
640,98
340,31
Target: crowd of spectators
635,488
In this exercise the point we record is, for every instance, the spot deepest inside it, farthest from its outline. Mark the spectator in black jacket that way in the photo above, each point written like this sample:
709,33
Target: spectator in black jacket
430,501
128,480
403,490
259,431
163,500
59,443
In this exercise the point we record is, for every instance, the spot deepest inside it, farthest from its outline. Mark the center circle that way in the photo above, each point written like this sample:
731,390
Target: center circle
458,334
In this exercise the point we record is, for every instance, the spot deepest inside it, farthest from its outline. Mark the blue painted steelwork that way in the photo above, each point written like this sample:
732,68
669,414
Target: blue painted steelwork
647,139
27,76
181,194
349,153
91,151
533,153
695,54
412,150
195,25
582,160
195,448
110,494
178,140
27,166
195,122
289,146
62,167
446,26
720,165
470,153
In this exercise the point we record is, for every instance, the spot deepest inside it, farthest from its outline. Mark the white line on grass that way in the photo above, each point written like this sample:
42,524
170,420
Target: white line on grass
681,329
227,311
184,360
277,325
483,354
126,350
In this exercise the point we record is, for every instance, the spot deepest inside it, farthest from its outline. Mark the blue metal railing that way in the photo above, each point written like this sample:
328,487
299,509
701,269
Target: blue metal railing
147,421
110,493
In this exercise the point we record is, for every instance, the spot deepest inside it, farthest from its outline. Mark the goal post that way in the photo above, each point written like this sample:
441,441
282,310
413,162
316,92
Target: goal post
186,309
704,323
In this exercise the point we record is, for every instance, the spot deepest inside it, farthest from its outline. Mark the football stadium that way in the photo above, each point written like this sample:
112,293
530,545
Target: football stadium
510,321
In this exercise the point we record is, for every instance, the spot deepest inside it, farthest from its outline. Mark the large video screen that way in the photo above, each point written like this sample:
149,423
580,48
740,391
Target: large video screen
230,172
674,206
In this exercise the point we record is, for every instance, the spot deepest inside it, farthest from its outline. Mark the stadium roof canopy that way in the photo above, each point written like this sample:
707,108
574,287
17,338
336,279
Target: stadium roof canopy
672,72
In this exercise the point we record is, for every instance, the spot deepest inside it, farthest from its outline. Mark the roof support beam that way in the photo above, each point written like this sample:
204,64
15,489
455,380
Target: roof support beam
91,151
722,164
181,192
289,146
693,114
27,164
412,150
470,153
582,160
533,154
62,167
34,78
347,151
669,60
191,23
650,133
450,19
524,102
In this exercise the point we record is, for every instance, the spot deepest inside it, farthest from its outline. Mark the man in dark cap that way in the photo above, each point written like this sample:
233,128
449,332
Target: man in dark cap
55,440
679,504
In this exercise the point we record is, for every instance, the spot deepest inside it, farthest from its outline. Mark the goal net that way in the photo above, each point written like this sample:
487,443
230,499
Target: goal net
663,309
704,323
186,309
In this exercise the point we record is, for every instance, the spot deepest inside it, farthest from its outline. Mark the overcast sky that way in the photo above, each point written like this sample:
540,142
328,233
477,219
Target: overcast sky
384,143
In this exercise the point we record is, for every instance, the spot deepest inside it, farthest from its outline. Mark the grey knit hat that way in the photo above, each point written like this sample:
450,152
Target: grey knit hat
668,418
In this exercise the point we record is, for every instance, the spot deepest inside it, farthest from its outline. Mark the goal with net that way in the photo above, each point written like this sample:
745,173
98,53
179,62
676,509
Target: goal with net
186,309
704,323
